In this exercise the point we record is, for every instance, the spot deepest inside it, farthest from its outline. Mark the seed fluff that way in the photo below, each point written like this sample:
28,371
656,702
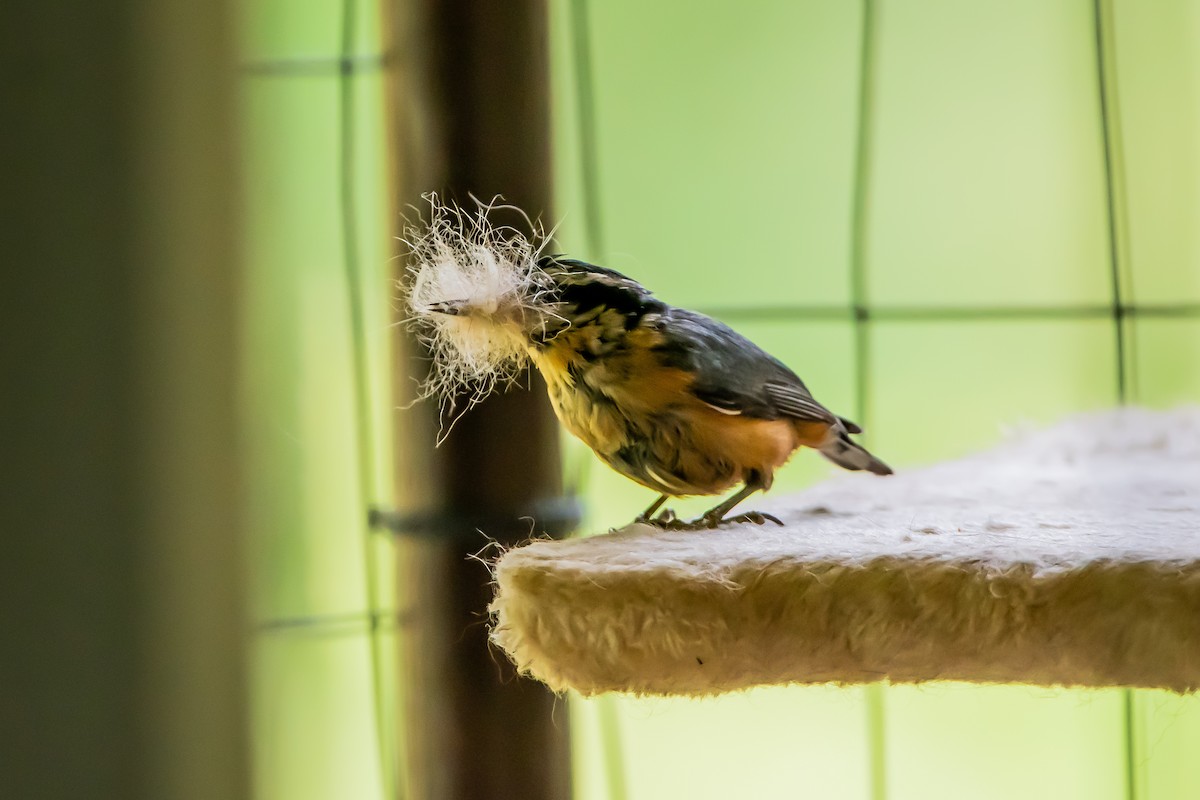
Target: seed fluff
471,287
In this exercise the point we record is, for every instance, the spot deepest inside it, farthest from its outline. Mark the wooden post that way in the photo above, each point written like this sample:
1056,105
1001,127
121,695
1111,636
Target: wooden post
470,110
121,609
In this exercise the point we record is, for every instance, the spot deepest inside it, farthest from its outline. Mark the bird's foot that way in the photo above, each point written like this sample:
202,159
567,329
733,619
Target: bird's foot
676,524
756,517
666,520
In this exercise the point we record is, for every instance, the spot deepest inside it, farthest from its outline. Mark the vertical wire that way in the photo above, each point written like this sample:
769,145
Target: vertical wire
607,716
1129,712
1113,179
362,391
876,742
858,223
585,109
1117,241
610,740
874,693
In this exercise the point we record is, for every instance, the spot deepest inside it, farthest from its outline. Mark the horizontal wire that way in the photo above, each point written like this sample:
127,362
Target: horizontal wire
1178,310
953,313
315,65
334,624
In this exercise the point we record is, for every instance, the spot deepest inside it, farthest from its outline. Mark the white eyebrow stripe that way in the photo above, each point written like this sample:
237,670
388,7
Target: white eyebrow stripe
733,412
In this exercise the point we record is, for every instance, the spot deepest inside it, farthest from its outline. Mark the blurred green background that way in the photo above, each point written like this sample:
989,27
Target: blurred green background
316,389
929,209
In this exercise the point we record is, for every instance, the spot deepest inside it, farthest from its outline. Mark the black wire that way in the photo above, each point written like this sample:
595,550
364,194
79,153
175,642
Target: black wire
858,222
860,313
585,98
362,404
1105,63
328,625
314,65
1107,94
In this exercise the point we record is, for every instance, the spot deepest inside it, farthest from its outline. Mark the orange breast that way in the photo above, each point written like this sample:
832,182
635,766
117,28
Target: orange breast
750,445
811,434
640,416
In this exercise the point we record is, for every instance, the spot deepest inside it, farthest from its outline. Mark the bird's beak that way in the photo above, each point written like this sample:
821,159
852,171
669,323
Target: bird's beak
451,308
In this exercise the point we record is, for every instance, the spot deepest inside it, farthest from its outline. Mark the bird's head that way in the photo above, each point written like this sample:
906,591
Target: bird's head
484,298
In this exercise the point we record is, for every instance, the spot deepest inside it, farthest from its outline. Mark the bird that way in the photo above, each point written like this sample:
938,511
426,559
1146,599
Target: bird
671,398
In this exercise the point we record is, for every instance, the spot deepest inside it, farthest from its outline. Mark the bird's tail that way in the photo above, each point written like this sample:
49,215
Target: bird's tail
850,455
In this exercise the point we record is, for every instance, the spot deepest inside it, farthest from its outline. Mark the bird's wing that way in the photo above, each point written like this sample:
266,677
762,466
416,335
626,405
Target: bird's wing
734,375
794,400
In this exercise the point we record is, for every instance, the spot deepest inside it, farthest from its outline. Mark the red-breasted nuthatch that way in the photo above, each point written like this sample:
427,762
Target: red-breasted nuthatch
670,398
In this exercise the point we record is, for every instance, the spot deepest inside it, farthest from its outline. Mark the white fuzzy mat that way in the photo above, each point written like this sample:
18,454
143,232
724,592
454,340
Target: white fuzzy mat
1069,556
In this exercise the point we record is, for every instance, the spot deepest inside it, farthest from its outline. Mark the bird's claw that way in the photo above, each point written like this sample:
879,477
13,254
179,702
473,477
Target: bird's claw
666,520
676,524
755,517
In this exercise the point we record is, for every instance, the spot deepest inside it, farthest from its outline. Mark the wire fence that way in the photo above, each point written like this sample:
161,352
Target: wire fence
1124,312
1121,310
377,622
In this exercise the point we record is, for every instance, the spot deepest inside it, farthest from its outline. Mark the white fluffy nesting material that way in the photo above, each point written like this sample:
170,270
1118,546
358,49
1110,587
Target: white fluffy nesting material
1070,556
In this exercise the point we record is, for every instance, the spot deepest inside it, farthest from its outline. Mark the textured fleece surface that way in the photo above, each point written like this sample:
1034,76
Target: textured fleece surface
1065,557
